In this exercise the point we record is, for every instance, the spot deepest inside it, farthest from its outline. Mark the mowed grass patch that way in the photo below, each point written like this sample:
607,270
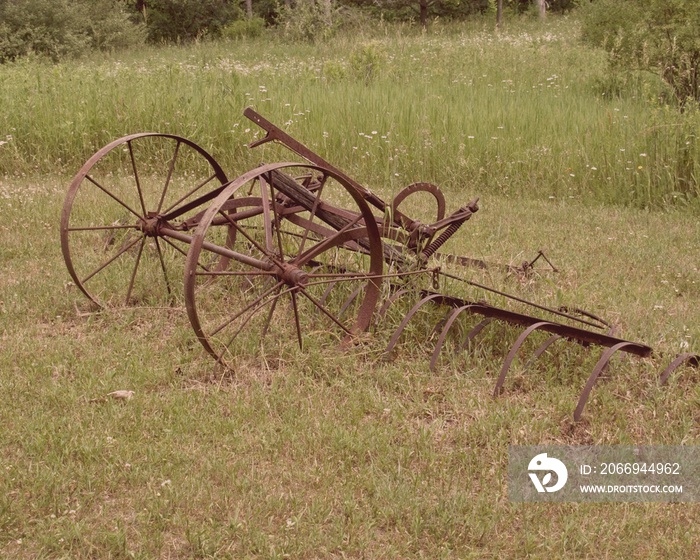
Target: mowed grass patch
327,453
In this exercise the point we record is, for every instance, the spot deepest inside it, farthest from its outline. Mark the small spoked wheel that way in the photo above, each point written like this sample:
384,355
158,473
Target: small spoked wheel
117,208
286,251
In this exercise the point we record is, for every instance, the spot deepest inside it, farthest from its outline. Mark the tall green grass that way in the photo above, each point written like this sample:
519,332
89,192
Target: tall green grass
528,112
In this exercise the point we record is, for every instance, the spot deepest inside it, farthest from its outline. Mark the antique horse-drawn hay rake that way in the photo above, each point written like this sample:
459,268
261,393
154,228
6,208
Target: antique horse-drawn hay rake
284,250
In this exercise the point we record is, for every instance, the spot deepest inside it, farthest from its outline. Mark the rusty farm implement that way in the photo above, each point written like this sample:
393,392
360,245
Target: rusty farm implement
285,250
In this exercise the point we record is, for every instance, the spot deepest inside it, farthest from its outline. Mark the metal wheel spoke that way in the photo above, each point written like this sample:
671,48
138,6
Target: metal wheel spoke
136,176
171,168
178,249
343,235
111,260
252,313
247,308
257,245
267,222
295,308
169,212
268,319
162,267
109,193
136,267
101,228
276,217
323,310
317,200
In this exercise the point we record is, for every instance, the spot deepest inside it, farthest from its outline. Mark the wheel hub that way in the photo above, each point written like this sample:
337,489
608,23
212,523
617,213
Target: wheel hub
292,275
151,224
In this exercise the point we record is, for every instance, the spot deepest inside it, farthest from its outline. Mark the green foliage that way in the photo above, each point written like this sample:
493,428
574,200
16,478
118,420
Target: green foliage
657,35
60,28
307,20
186,20
244,28
334,71
367,61
409,10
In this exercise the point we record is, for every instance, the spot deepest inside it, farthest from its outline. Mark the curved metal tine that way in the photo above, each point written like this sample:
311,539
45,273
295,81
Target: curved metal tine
688,357
541,350
440,325
350,299
388,303
443,335
513,351
406,319
472,333
597,370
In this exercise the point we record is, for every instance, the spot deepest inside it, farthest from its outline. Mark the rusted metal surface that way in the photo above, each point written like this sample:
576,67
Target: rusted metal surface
513,351
294,272
290,244
87,234
681,359
599,368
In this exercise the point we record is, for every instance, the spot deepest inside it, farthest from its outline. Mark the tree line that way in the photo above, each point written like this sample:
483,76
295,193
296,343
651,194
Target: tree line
60,28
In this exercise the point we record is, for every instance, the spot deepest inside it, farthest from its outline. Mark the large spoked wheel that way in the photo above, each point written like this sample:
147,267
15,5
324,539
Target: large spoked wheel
305,259
117,208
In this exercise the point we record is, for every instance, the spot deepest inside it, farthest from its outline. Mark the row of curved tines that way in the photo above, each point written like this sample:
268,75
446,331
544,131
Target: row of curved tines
687,358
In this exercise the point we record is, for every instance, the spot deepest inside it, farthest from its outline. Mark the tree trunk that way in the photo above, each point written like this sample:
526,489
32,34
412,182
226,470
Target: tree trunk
424,14
542,8
499,13
141,8
249,9
327,12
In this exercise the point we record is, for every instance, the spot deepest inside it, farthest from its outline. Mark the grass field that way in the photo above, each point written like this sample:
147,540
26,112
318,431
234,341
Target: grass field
324,453
529,112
